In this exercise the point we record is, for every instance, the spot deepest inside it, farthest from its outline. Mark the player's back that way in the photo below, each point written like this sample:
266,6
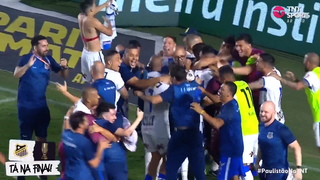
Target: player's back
231,141
75,146
184,94
272,91
106,90
249,120
273,145
116,78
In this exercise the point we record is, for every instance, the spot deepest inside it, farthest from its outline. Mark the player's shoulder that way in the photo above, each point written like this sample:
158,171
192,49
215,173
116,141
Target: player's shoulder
26,56
241,83
310,75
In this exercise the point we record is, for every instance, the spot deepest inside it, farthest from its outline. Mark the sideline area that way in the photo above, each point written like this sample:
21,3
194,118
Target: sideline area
295,107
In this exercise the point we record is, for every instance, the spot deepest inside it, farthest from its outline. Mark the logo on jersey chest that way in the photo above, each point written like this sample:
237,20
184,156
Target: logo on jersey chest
270,135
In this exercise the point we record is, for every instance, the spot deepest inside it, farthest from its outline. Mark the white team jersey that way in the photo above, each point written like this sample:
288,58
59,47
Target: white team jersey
111,13
190,55
313,81
156,117
272,91
205,75
116,78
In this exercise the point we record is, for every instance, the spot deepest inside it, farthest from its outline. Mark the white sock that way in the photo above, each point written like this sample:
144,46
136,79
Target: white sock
184,169
249,176
147,159
214,166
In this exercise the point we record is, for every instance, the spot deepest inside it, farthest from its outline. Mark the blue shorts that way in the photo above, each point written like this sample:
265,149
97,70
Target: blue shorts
116,170
230,167
273,176
106,45
185,144
36,119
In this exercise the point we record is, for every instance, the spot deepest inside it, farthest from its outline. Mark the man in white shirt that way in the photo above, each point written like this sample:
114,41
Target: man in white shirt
155,126
111,12
112,64
271,88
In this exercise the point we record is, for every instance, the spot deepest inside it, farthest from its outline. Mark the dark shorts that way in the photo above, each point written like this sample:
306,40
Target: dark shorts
116,170
36,119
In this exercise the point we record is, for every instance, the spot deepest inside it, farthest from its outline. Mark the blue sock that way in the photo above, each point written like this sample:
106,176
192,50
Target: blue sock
161,176
148,177
254,172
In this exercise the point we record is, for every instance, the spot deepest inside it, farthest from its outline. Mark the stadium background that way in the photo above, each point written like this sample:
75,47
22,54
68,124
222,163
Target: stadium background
294,103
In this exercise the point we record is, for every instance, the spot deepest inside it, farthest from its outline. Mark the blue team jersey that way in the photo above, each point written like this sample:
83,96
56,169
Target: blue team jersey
231,141
273,143
33,84
126,74
106,89
180,97
117,152
140,75
78,152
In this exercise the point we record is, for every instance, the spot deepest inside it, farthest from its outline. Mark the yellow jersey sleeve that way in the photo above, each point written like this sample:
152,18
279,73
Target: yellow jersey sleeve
249,120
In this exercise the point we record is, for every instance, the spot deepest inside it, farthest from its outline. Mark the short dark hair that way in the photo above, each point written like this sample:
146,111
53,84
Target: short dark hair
207,49
76,119
225,70
35,40
104,107
135,43
178,72
85,5
196,49
172,37
268,58
245,37
230,40
108,54
232,87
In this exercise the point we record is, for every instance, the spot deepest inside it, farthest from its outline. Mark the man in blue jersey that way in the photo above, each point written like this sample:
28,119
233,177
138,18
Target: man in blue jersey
33,70
130,59
115,161
229,124
79,151
186,140
274,140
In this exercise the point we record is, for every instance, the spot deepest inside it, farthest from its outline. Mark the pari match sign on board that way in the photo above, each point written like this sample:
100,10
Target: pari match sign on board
31,158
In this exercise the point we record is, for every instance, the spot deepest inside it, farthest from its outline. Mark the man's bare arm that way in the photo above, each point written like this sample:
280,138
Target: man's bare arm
297,152
71,97
152,99
124,93
215,122
102,28
295,85
143,83
244,70
256,85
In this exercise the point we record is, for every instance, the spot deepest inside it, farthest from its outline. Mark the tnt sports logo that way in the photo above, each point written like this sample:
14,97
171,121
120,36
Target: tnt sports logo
292,12
21,150
278,12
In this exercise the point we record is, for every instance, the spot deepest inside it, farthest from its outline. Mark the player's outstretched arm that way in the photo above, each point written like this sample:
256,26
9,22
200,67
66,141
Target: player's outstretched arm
64,91
104,5
127,132
205,62
214,98
244,70
215,122
297,85
256,85
100,27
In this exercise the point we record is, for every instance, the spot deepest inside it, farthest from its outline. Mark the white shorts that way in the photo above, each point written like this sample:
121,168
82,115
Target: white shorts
280,117
249,143
87,60
155,144
316,129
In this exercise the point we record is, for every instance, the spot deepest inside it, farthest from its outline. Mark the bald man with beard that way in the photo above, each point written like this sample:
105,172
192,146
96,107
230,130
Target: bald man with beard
311,84
274,140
